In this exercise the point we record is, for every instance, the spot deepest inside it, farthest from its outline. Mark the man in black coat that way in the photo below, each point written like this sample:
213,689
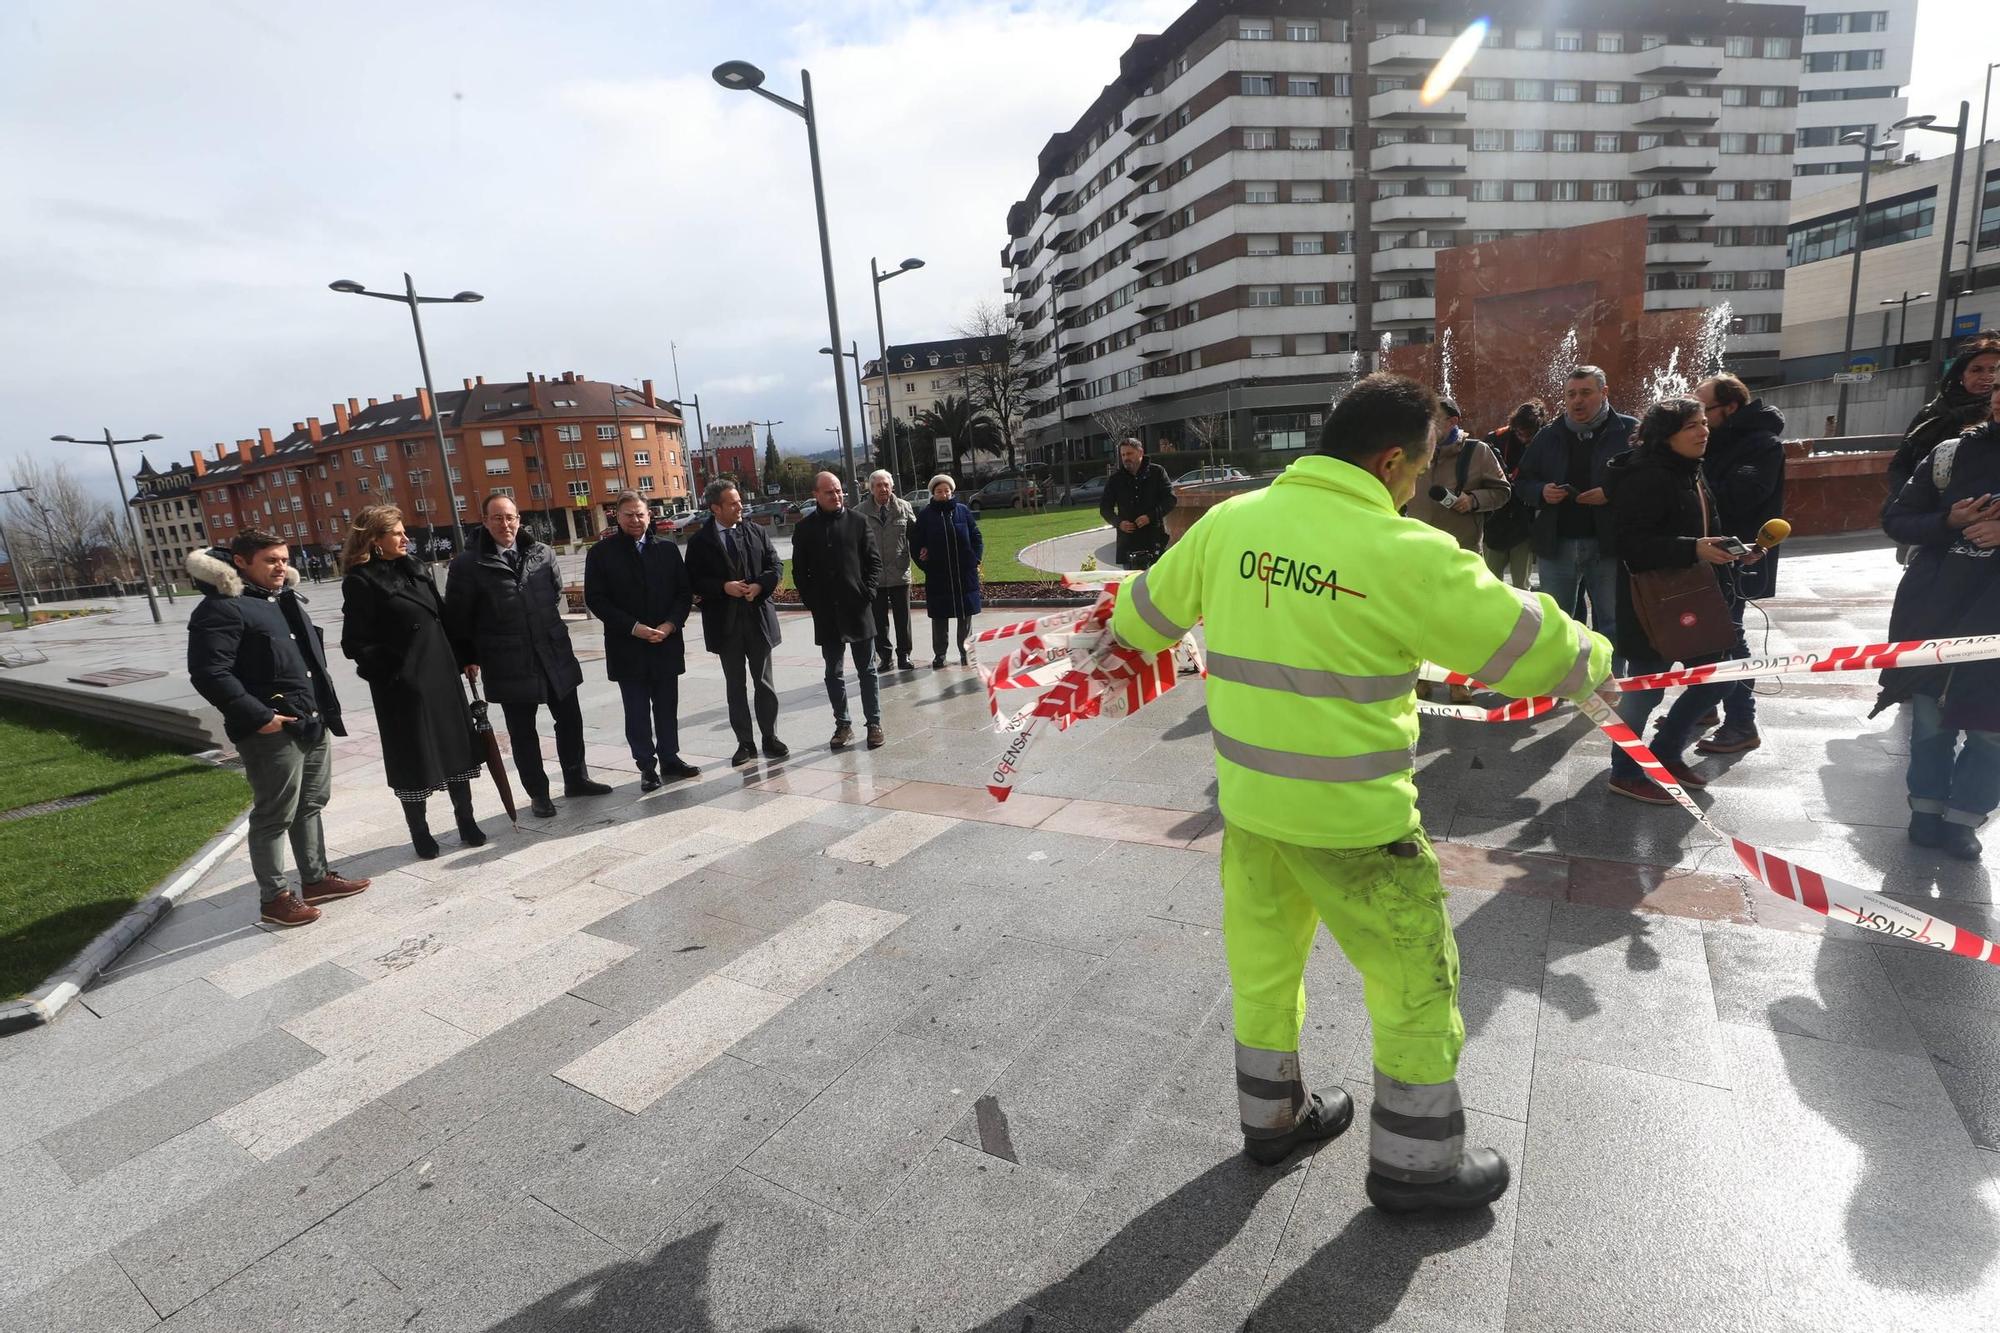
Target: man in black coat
734,569
636,584
1745,471
503,601
1137,499
1561,479
255,654
836,566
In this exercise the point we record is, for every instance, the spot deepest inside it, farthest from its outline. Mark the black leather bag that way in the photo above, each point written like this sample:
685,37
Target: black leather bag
1683,612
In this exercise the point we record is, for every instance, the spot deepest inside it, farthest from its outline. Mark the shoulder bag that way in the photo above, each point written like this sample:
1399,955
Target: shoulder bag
1683,611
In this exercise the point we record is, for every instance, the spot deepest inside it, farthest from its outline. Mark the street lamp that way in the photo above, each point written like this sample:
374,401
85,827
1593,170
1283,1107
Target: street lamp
1978,182
1869,145
1903,328
1957,132
853,353
408,296
882,344
14,559
742,76
131,529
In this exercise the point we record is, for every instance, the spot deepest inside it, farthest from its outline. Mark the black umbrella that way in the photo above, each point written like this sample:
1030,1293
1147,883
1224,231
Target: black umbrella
494,764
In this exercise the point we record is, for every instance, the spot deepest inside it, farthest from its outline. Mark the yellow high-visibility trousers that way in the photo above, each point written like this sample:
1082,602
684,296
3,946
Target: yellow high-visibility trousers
1385,908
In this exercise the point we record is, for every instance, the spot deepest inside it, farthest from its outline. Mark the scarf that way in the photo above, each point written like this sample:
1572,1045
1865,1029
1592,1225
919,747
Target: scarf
1591,427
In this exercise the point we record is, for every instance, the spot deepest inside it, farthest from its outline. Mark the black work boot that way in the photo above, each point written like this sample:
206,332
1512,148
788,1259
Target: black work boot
1327,1118
1926,830
1481,1178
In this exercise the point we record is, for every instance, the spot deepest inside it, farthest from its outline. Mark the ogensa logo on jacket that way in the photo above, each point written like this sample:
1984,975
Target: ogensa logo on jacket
1290,575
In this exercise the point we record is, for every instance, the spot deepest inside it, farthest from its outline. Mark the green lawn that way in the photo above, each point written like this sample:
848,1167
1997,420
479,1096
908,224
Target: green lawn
66,876
1006,532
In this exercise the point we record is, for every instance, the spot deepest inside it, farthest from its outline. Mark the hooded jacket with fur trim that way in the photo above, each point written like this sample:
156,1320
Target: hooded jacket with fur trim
253,654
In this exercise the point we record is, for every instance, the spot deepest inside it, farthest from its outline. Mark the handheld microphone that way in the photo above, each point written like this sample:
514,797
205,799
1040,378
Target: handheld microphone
1442,496
1774,531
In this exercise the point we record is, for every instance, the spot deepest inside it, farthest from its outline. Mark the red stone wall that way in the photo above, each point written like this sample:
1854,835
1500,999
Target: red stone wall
1834,492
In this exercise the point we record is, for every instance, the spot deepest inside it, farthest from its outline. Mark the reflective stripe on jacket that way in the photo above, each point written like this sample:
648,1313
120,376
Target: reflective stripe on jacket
1319,602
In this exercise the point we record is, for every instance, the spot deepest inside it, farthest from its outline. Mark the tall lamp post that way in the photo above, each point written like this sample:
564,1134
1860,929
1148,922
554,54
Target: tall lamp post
1957,132
131,528
882,344
742,76
853,353
408,296
692,400
1903,327
1869,145
1978,182
14,558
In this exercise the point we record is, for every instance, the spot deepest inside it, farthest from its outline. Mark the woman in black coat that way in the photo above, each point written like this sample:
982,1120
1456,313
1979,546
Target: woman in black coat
1664,519
394,630
947,545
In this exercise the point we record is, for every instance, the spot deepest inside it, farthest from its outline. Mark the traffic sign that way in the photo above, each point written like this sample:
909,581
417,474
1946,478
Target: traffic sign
1853,376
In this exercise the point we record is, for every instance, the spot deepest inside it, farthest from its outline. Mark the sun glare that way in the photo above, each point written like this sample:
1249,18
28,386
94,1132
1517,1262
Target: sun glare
1452,64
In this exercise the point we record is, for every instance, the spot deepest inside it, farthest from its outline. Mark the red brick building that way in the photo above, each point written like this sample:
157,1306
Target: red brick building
560,446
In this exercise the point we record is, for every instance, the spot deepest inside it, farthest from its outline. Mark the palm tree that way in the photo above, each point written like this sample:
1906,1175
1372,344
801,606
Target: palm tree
956,419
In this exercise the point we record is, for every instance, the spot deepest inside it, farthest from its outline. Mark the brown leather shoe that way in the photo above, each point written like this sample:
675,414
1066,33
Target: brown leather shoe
875,737
333,886
843,735
287,910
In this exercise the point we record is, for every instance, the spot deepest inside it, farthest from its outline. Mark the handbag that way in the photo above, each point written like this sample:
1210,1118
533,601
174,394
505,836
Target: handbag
1682,610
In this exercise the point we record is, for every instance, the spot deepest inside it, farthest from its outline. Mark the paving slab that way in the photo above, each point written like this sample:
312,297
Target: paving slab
95,1297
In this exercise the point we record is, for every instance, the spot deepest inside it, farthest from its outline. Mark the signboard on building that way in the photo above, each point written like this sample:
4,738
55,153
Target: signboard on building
1964,326
1853,376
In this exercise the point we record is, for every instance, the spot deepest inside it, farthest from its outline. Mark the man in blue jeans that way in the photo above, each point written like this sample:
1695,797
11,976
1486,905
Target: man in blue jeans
836,566
1561,479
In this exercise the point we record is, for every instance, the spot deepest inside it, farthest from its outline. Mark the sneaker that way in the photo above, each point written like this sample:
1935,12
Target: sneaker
287,910
1324,1119
333,886
1482,1177
1927,830
1958,841
744,754
875,738
776,749
843,735
1729,740
1641,789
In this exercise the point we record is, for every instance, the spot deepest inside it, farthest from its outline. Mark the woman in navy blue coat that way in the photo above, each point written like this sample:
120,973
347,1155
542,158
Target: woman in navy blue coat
948,548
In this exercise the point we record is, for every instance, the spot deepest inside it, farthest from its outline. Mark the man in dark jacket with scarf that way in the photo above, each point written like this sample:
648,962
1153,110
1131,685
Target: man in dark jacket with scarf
255,654
1745,472
735,569
1561,479
637,585
1969,380
1947,514
503,610
836,565
1137,499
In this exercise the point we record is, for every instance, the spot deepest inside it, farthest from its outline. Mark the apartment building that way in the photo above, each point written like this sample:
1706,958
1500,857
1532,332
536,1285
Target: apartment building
169,518
1855,65
921,375
561,447
1261,192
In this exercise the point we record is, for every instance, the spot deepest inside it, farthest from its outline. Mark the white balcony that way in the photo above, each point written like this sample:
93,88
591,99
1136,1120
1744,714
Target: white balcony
1407,50
1155,344
1407,104
1144,159
1678,61
1677,207
1157,386
1152,300
1058,192
1678,254
1674,160
1676,109
1404,259
1142,111
1405,312
1064,227
1694,298
1431,158
1070,337
1144,206
1150,254
1425,208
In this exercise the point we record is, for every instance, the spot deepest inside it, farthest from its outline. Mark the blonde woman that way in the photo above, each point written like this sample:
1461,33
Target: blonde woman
394,631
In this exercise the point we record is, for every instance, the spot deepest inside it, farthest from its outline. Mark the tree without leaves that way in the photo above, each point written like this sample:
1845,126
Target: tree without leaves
1210,432
1121,423
998,386
73,540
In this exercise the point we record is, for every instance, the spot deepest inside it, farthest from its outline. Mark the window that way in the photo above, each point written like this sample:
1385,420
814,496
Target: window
493,439
1770,97
1604,191
1260,138
1254,30
1565,141
569,434
1308,192
1764,190
1726,190
1736,97
1733,143
573,462
1777,48
1562,191
1646,141
1892,221
1569,92
642,458
1607,92
1610,43
1309,344
1569,40
636,432
1302,85
360,457
1528,90
1527,39
1301,31
1489,192
1758,280
381,452
579,489
361,484
1489,90
645,485
1736,46
1527,141
1314,295
1260,85
1522,192
1308,245
1260,192
1606,143
1302,138
1261,245
1267,346
496,467
1770,143
610,459
1761,323
1722,282
607,432
1343,138
1488,141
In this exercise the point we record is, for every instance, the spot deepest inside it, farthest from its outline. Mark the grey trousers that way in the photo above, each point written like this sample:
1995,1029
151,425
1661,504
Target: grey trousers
290,782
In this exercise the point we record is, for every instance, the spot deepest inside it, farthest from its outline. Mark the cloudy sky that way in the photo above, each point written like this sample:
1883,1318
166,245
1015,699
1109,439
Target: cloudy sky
184,180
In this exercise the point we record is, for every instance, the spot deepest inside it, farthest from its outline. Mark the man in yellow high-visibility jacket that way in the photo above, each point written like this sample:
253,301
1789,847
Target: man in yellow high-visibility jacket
1320,600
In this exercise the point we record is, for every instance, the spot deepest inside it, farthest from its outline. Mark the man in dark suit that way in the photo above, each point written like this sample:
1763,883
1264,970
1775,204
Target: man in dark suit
636,584
503,600
734,570
836,565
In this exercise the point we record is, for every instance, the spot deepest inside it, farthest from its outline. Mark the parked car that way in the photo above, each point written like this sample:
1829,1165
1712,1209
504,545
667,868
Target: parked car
1089,492
681,525
917,498
776,512
800,508
1004,493
1202,476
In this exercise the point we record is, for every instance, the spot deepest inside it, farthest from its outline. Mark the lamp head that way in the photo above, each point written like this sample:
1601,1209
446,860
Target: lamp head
349,286
739,75
467,298
826,351
144,438
64,439
909,264
1913,123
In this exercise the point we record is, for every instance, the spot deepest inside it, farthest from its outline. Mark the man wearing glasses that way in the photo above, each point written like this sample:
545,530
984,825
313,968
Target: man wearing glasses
1745,472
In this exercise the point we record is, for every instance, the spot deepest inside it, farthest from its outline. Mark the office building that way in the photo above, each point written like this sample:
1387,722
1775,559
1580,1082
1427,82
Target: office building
1855,66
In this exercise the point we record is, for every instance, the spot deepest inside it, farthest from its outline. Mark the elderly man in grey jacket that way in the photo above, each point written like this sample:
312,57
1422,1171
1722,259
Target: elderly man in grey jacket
889,519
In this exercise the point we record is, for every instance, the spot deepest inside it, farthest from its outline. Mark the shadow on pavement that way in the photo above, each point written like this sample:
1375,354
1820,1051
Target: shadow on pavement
1358,1279
663,1292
